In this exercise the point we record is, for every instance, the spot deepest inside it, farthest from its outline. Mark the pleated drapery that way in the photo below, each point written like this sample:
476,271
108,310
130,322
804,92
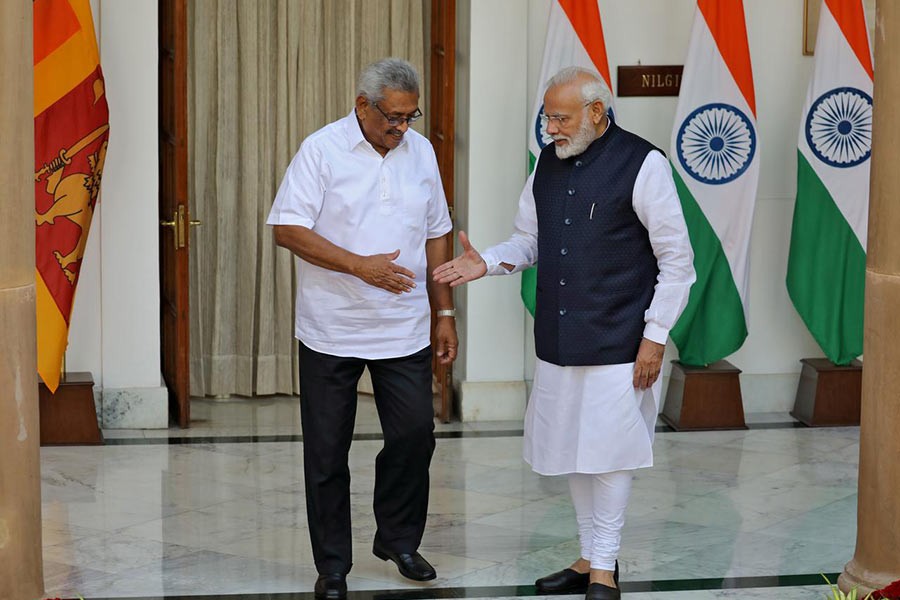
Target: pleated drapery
262,75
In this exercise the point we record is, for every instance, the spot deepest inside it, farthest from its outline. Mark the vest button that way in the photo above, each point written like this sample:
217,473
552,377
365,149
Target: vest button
562,282
571,192
562,312
567,221
578,163
564,251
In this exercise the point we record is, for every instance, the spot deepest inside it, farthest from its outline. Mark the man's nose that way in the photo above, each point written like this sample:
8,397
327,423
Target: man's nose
552,127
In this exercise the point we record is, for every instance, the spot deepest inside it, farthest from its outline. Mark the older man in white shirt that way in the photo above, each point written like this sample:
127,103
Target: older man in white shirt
615,271
362,207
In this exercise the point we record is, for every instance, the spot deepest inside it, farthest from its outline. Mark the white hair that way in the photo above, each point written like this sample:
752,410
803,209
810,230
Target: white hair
593,90
388,73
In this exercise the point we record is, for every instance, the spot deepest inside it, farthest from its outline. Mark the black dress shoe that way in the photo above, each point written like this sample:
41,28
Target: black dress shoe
412,566
568,581
598,591
331,586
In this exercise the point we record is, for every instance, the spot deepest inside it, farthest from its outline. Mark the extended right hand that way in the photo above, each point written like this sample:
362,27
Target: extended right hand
466,267
380,271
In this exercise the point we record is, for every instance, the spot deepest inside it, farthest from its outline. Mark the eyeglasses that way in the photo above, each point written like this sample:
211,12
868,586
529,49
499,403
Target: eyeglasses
561,120
394,121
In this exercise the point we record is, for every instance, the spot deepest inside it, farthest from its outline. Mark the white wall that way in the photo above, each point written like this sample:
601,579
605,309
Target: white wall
491,106
115,323
650,32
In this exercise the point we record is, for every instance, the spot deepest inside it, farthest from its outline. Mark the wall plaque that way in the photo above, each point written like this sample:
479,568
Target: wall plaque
649,80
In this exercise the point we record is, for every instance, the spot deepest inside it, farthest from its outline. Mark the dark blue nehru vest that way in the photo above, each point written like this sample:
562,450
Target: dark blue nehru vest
596,270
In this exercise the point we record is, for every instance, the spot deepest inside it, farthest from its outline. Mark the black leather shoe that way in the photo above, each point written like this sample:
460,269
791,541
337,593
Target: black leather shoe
568,581
412,566
331,586
598,591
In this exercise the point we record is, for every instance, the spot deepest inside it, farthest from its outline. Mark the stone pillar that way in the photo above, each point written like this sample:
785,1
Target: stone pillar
877,558
21,576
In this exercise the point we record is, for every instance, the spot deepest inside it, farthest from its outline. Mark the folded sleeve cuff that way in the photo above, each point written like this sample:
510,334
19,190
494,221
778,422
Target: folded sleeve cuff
656,333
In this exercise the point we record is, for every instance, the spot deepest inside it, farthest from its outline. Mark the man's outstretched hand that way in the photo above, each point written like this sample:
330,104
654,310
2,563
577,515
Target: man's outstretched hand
466,267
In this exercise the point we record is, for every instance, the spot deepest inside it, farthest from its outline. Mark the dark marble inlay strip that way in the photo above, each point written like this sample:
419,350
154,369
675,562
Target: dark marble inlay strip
441,435
527,591
261,439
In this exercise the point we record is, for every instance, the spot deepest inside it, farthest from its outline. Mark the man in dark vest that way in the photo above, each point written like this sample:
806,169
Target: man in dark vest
616,266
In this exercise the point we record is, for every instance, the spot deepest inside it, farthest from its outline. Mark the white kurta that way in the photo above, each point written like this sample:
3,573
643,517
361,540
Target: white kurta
591,419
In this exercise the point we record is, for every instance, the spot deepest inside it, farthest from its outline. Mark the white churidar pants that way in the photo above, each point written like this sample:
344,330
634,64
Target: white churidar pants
600,501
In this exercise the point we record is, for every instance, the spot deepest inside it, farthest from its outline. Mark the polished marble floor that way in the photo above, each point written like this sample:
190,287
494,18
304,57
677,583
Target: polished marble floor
218,511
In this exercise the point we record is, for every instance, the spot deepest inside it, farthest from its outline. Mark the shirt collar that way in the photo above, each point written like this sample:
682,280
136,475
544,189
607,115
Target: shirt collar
355,135
354,132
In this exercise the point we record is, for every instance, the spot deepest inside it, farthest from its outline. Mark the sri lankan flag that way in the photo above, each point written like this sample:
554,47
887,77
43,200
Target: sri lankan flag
71,128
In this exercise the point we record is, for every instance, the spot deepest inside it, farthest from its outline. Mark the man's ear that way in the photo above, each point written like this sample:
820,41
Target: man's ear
362,104
597,112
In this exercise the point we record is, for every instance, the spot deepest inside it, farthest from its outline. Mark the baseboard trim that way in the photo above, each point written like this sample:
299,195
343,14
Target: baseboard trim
134,408
491,400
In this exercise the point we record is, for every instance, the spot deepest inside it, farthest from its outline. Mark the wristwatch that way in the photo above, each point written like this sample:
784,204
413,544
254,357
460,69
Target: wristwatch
446,312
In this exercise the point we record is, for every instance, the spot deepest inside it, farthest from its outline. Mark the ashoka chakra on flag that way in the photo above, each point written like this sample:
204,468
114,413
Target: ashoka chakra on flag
716,143
839,127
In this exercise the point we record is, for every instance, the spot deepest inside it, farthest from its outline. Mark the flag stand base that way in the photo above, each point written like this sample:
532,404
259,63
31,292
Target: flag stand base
828,394
703,398
69,417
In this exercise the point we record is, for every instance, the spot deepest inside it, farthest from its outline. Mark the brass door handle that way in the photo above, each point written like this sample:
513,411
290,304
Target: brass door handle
178,228
174,225
177,225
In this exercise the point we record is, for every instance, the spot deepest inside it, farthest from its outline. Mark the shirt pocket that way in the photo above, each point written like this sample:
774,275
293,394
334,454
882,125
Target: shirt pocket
416,196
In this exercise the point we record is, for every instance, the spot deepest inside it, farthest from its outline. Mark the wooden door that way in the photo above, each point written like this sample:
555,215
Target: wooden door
173,207
442,108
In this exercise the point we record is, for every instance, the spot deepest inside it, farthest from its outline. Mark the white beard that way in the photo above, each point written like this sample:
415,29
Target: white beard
578,143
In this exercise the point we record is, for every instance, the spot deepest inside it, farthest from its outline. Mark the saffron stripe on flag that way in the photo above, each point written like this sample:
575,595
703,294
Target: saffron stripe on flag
852,20
725,19
585,20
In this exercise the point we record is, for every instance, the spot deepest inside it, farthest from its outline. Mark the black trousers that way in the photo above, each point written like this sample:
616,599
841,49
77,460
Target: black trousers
328,399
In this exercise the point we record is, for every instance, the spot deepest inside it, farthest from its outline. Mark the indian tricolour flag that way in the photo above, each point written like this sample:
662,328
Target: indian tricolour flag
715,163
827,263
574,39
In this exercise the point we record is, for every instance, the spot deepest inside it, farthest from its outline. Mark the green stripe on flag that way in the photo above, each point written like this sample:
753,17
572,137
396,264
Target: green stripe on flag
528,290
528,286
826,269
712,325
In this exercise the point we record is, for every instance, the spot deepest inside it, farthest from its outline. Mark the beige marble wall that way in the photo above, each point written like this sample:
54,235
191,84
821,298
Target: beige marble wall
21,574
877,558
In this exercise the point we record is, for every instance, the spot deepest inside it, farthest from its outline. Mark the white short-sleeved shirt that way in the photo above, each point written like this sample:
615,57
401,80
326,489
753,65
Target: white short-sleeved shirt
339,186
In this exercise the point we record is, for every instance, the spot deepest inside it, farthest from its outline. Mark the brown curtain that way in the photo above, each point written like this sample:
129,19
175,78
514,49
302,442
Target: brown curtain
262,75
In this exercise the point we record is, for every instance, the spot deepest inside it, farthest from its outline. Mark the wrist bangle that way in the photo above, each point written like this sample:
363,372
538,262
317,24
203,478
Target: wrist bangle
446,312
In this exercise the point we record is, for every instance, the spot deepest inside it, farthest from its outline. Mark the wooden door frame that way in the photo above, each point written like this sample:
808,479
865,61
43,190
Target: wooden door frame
174,219
442,133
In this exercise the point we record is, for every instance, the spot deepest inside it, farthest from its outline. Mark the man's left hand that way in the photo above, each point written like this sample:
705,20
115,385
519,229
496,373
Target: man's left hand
446,340
648,363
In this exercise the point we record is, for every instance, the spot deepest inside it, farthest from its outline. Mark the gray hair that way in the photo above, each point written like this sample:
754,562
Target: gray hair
387,73
593,90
